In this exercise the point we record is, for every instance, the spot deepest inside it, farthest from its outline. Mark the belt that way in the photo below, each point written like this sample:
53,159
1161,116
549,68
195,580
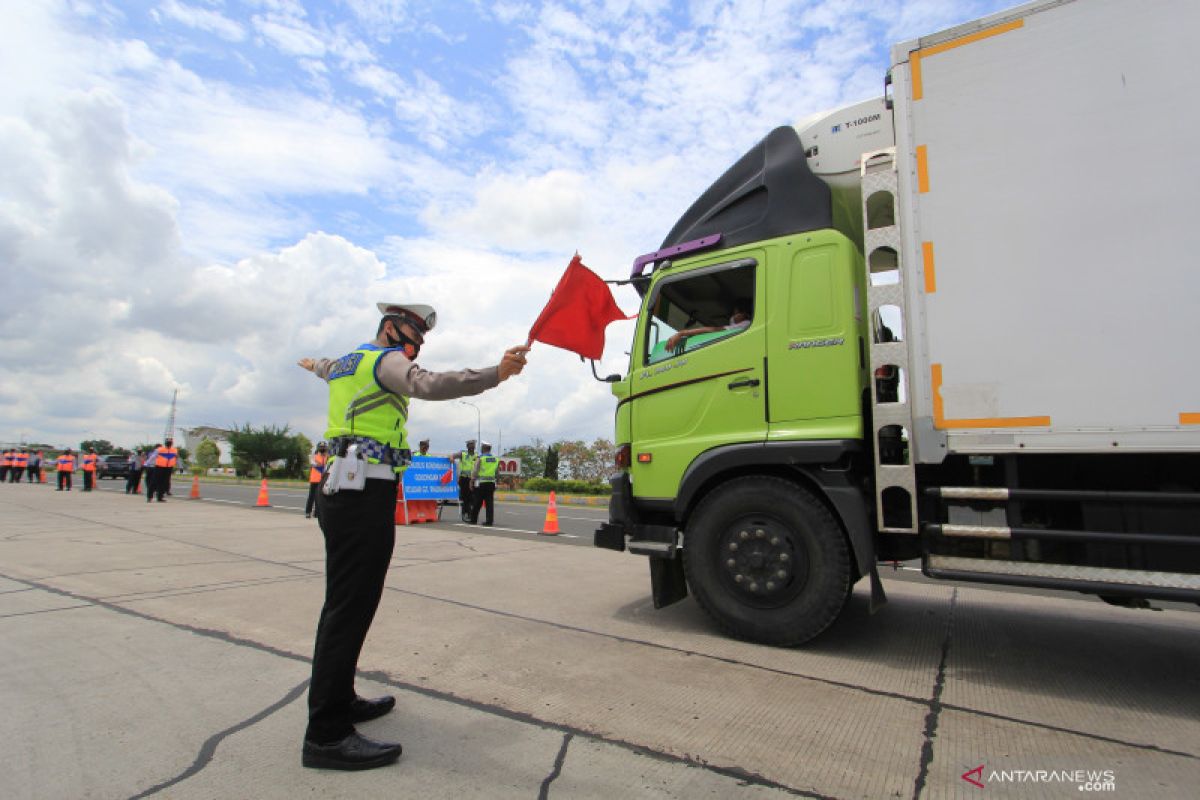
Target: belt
384,453
381,472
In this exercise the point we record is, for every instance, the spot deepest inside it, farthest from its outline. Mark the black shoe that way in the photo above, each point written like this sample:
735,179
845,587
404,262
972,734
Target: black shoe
353,752
486,524
161,500
362,710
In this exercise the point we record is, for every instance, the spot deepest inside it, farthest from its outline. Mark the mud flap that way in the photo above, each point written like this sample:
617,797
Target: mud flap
878,598
667,582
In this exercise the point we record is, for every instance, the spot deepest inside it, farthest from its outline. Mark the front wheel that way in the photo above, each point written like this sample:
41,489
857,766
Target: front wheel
767,561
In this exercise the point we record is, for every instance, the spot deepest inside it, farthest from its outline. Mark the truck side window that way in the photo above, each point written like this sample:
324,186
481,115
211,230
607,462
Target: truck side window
693,311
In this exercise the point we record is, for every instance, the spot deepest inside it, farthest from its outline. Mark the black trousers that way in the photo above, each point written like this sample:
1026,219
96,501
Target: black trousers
360,532
161,477
64,480
15,476
484,496
34,474
312,498
89,480
132,480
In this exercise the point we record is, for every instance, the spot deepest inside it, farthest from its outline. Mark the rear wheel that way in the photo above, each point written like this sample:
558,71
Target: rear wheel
767,561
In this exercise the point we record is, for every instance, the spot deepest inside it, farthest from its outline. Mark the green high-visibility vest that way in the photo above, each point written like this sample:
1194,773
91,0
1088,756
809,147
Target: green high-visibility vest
359,406
488,467
466,462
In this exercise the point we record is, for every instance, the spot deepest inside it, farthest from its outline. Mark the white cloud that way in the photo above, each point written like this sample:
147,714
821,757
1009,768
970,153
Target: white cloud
203,19
185,212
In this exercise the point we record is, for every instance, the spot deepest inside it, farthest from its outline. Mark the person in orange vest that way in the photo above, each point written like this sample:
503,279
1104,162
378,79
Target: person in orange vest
89,469
5,465
165,459
19,463
65,464
319,459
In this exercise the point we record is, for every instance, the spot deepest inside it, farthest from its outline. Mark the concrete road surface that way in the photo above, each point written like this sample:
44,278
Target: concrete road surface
163,650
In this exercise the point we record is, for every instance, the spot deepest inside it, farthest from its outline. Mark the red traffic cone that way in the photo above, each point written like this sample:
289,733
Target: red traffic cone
195,487
262,495
550,526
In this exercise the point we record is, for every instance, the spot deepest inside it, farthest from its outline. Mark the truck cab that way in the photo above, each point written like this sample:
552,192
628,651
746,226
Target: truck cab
722,419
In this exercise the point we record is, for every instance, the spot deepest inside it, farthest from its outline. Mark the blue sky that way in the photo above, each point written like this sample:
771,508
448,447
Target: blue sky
196,193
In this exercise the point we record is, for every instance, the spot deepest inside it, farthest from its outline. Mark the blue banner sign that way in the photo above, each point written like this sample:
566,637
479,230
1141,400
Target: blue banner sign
424,476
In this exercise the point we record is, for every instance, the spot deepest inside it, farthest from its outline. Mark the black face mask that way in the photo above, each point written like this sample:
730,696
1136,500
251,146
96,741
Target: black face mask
412,348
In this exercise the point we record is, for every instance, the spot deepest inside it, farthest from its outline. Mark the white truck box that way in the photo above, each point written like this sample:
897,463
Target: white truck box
1049,161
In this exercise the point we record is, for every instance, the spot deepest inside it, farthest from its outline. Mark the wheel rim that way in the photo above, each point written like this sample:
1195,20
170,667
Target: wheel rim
762,561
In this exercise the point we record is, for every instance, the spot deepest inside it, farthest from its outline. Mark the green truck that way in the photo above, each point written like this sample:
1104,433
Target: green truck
944,324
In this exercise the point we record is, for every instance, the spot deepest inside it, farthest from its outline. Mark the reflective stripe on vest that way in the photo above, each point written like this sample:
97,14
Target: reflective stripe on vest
318,467
468,462
6,460
165,457
21,460
359,406
65,463
488,467
89,463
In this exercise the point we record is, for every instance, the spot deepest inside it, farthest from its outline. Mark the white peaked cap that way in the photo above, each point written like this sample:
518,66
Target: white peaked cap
421,311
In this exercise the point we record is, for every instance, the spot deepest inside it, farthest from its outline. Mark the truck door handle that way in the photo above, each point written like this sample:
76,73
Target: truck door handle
741,384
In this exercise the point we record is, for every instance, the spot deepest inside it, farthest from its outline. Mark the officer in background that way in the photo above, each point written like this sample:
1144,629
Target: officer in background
134,478
315,471
148,469
34,473
89,469
5,465
466,466
19,462
483,482
165,458
369,391
65,464
423,448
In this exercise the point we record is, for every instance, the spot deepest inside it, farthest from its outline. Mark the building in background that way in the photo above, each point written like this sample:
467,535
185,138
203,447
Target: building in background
192,437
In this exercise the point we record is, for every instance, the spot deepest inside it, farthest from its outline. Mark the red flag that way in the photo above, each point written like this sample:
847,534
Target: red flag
581,307
447,476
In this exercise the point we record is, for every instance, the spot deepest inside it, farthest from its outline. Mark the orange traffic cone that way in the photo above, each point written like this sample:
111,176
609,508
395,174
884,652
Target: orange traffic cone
550,526
42,475
262,495
195,487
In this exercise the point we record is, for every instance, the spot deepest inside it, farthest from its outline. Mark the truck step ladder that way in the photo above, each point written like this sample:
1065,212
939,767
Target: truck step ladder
878,175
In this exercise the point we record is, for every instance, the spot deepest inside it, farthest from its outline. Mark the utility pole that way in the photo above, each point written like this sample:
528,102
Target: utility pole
170,431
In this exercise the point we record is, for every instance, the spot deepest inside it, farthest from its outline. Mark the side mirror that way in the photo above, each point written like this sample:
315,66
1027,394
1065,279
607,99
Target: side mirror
608,379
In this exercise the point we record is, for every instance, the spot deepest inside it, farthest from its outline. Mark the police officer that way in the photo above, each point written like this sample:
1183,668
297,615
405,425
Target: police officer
423,448
65,464
165,458
483,482
5,465
19,462
369,391
89,469
466,465
315,471
134,478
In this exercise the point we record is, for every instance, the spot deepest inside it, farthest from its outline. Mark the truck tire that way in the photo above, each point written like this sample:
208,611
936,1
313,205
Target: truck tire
767,561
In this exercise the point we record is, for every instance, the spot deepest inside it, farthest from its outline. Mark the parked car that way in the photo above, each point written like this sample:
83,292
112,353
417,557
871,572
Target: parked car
113,466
